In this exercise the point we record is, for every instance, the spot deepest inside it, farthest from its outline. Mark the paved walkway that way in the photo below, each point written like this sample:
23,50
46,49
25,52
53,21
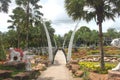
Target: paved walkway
58,70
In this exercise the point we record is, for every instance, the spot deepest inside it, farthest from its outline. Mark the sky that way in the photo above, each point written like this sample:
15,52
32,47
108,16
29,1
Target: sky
54,11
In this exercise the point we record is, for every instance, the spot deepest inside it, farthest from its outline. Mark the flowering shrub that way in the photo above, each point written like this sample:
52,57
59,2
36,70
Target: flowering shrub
95,66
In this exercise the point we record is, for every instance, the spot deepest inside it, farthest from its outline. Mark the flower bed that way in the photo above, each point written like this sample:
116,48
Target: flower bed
95,66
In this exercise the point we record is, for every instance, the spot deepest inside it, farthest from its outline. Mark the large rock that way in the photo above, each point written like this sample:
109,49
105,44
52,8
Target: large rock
74,62
22,76
17,65
74,67
40,67
113,75
8,79
5,74
79,73
27,75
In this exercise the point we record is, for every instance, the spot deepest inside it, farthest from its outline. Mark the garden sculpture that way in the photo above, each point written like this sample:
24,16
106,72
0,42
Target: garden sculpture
117,68
14,55
28,64
116,43
27,60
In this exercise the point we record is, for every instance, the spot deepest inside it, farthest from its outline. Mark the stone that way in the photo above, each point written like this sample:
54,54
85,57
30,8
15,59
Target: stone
8,79
79,73
40,67
22,76
28,75
113,75
74,68
17,65
46,62
5,73
74,62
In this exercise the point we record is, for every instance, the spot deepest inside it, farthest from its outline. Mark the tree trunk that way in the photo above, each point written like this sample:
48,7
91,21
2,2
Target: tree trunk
18,33
102,63
27,25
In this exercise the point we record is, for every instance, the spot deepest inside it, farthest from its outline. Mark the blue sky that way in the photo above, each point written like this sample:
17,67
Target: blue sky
54,10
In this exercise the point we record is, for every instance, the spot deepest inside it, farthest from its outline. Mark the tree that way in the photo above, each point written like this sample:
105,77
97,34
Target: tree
2,50
112,33
109,35
4,5
24,17
32,14
12,38
67,38
84,33
17,20
94,9
94,37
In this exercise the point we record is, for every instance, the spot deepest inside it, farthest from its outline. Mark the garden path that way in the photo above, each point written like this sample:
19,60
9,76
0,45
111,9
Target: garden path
58,70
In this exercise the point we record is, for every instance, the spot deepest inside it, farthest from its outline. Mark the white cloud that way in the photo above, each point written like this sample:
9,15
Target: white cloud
3,22
55,11
52,9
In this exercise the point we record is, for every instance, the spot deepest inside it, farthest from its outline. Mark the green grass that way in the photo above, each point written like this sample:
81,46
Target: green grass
15,71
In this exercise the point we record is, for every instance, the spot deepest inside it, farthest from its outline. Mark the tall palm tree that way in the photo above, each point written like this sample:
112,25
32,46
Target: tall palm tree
17,19
4,5
94,9
33,14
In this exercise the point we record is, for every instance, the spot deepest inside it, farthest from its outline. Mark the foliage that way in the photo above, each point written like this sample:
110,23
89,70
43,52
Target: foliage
2,50
67,37
107,49
93,52
25,16
4,5
2,54
95,66
85,75
99,10
111,50
15,70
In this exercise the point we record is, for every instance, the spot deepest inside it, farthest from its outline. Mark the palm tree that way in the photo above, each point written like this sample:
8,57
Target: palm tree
17,19
33,14
4,5
94,9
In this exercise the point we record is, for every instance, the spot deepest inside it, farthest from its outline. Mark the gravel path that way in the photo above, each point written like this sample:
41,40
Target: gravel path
57,71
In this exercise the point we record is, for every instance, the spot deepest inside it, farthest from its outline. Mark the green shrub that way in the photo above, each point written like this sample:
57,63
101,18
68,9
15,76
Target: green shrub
2,54
92,52
15,70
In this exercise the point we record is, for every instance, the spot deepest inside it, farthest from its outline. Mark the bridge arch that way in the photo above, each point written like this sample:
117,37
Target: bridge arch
55,52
